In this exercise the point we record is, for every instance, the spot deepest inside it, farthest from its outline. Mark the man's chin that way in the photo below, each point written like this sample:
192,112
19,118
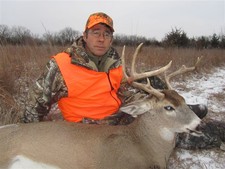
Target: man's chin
99,53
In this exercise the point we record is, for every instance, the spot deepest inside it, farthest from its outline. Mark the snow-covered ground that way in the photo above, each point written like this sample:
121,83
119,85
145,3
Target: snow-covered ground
207,89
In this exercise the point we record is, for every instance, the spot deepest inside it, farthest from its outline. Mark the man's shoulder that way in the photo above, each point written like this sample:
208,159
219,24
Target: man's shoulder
61,54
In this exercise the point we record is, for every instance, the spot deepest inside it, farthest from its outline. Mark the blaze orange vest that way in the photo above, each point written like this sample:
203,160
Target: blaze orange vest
91,94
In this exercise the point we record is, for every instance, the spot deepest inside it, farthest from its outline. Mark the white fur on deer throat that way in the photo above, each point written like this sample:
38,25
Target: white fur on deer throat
22,162
169,135
166,134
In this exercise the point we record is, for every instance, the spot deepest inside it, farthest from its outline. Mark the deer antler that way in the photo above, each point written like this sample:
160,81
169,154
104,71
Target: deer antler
135,76
183,69
147,87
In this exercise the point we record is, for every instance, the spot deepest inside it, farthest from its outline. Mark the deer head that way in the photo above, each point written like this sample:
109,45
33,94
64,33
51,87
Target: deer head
167,103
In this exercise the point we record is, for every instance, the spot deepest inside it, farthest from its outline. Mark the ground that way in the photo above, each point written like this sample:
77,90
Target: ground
209,89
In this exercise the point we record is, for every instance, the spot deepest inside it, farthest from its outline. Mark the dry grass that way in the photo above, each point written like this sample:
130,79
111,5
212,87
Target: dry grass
152,58
22,61
21,65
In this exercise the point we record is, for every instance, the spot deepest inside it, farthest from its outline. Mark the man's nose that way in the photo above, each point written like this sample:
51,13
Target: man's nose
102,37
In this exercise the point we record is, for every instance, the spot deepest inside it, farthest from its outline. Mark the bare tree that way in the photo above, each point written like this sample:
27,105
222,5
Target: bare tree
20,35
68,35
4,34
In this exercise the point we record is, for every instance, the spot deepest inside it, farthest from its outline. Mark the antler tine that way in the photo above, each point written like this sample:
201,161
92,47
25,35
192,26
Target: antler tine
134,75
133,68
149,89
124,65
183,69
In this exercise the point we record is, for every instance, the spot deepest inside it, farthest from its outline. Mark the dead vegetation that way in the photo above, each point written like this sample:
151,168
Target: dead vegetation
21,65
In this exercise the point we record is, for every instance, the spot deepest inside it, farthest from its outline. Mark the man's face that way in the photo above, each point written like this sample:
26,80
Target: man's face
98,39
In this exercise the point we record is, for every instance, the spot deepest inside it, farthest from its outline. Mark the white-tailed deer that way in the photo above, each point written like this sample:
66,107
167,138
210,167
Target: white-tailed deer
145,143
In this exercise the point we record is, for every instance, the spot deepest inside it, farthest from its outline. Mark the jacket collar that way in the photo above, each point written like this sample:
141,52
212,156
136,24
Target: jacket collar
81,57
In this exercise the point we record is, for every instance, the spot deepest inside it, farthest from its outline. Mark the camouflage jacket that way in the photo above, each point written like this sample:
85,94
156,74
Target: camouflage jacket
50,86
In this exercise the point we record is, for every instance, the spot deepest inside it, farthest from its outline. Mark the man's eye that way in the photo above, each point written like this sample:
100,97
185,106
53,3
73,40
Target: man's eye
106,34
96,33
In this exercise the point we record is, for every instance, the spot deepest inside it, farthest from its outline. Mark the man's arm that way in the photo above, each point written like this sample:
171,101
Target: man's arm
47,90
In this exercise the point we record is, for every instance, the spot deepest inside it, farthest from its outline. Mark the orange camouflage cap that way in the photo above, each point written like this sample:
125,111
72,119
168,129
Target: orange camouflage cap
97,18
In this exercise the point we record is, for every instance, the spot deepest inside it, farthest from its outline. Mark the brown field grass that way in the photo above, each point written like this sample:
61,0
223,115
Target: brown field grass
21,65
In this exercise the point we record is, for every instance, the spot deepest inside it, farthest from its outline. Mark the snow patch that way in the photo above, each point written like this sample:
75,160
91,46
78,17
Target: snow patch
202,89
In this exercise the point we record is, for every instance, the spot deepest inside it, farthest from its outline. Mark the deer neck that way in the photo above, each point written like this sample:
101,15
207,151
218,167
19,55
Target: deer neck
155,139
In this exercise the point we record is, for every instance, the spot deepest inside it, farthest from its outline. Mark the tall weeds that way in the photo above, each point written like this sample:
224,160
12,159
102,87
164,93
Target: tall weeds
19,68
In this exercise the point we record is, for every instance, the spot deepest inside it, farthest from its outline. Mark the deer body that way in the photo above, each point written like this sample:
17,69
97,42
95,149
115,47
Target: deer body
145,143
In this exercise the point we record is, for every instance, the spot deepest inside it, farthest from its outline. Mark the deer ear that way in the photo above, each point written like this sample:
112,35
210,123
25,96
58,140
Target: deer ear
135,108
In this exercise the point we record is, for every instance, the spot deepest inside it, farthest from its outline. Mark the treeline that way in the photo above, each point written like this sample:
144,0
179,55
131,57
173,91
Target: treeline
176,38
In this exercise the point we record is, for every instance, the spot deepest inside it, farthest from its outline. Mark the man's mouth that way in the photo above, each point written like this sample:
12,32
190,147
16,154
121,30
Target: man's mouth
100,47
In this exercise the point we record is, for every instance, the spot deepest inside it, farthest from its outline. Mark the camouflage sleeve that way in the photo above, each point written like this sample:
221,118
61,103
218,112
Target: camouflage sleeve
128,94
47,90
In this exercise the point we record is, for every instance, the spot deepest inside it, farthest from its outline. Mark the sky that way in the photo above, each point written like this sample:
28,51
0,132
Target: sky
152,19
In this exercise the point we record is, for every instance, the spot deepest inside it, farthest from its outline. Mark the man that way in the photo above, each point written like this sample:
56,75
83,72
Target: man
84,79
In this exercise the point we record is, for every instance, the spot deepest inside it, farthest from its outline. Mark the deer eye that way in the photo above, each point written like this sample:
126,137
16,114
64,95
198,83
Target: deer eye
169,108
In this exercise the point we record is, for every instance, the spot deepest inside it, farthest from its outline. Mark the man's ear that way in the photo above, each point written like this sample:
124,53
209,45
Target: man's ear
111,41
85,36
